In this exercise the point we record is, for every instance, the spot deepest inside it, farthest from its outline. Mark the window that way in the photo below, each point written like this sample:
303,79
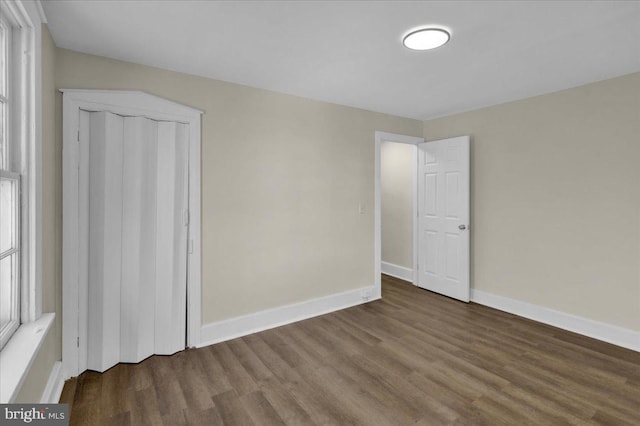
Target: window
23,327
17,172
9,200
9,255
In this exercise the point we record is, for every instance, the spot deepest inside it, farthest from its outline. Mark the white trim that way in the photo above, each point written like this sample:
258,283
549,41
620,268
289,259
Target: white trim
132,103
43,16
252,323
18,354
194,268
620,336
53,389
397,271
377,206
35,172
414,214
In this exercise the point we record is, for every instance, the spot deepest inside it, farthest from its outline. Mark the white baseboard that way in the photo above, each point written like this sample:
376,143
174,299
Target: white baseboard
397,271
624,337
247,324
53,389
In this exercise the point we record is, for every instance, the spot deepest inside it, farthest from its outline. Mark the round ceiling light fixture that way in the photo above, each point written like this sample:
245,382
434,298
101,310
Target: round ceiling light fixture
426,38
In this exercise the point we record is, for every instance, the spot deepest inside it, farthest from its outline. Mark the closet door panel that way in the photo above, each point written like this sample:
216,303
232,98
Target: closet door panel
105,240
171,242
137,196
179,288
83,244
139,184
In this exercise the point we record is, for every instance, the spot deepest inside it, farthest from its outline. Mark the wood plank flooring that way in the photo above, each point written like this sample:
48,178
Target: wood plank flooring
412,358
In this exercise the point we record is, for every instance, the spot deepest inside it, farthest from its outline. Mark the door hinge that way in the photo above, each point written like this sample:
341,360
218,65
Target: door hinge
78,135
78,342
185,217
190,250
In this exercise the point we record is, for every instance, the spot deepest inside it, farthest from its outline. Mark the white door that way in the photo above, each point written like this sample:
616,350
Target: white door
443,217
134,183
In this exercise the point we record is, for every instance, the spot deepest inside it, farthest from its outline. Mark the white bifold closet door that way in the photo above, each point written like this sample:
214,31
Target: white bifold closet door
137,249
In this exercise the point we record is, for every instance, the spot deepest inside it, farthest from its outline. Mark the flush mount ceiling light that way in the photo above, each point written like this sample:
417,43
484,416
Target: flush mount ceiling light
426,38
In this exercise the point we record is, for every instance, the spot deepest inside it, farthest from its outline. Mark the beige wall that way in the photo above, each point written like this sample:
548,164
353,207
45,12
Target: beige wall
555,194
396,188
282,179
556,199
50,350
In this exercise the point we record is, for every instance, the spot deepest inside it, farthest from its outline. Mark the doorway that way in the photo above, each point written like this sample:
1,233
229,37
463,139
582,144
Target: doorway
131,228
440,215
380,138
398,180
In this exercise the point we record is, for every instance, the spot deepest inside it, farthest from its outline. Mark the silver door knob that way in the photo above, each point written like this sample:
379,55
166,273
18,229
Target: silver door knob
462,227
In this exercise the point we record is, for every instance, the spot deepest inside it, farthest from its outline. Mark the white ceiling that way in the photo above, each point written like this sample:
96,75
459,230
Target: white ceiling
350,53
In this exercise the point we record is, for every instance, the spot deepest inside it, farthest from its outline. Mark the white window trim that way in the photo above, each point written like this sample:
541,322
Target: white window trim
21,349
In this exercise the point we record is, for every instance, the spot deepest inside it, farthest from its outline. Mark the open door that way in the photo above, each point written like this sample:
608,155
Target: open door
443,217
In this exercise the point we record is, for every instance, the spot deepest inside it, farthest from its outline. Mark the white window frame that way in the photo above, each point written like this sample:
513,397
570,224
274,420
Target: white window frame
7,171
16,357
7,331
25,114
5,52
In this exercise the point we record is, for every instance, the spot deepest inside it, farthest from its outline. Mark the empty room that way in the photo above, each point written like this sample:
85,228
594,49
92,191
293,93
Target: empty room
319,212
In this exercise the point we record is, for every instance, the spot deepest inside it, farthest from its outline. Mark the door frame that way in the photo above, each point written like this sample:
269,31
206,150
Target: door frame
126,103
377,214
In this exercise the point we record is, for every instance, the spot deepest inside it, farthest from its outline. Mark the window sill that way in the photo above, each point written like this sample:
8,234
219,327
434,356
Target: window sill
18,355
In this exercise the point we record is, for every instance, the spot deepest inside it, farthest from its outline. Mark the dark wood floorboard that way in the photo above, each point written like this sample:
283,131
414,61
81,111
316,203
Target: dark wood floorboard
413,357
